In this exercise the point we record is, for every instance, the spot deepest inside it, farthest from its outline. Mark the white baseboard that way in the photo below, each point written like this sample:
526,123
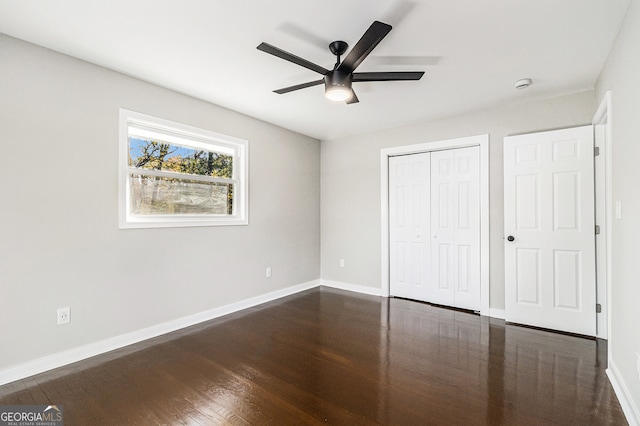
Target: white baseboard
60,359
351,287
629,408
497,313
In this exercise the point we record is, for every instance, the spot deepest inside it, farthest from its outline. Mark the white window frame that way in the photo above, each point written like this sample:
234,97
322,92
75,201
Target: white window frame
184,135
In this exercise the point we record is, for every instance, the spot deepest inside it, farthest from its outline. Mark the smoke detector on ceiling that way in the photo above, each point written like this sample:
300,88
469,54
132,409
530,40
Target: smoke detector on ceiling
522,84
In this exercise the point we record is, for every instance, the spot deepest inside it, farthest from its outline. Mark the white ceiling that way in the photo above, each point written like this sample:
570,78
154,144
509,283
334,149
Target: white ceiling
472,51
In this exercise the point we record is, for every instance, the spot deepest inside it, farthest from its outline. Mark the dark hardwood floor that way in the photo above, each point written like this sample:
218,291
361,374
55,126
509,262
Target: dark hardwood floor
331,357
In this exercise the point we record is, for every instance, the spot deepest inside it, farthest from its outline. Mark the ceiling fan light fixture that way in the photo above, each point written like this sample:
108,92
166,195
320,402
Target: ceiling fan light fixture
337,86
337,93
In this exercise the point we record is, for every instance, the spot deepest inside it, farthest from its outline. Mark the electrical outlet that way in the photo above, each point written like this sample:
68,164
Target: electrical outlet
64,315
342,263
268,272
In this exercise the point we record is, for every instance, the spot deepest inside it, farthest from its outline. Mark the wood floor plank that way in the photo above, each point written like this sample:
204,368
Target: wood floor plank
327,356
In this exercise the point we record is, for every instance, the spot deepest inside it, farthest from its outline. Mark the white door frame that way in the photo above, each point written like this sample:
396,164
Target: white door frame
604,203
483,142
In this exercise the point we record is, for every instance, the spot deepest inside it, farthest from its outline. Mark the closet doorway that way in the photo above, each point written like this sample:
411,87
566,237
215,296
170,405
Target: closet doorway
434,227
435,230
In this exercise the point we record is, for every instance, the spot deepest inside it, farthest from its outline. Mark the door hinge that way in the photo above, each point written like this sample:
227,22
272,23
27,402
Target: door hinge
598,308
597,229
596,151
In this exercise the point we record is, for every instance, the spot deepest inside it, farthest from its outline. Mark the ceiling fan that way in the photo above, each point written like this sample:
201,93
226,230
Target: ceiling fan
338,81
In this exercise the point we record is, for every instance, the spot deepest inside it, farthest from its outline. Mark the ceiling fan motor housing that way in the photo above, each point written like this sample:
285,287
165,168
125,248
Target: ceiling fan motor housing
338,79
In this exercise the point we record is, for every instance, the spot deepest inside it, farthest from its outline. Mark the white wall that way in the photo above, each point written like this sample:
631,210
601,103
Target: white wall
59,239
350,181
621,76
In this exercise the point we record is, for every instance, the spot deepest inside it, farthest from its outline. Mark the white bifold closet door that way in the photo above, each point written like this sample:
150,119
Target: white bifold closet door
455,228
409,177
434,202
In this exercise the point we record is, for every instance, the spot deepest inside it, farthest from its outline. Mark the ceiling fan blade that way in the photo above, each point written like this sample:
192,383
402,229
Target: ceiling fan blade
387,76
272,50
374,35
298,87
353,99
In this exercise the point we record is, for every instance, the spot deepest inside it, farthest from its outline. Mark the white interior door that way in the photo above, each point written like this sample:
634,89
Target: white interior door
550,230
409,255
455,228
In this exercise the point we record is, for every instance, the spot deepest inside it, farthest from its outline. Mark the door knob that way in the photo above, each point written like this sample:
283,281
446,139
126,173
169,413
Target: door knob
510,238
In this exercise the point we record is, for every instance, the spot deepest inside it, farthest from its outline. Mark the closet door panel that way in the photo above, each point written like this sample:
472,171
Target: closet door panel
467,228
441,288
409,219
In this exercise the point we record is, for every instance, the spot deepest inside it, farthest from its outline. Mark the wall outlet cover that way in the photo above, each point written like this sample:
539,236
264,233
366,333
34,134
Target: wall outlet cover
63,315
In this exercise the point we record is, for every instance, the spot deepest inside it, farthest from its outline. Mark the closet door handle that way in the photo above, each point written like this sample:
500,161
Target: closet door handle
510,238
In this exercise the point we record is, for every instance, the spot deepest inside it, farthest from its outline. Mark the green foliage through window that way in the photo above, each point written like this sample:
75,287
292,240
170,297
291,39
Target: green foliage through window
166,195
158,155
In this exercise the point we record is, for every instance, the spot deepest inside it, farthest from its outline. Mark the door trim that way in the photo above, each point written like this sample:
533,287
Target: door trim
480,140
604,203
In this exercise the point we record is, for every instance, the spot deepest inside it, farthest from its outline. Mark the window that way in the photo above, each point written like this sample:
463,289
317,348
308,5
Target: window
175,175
